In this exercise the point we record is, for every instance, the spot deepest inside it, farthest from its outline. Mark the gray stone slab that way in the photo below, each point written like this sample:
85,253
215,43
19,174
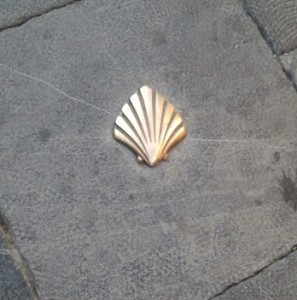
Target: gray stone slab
277,22
12,284
279,281
15,12
289,64
91,221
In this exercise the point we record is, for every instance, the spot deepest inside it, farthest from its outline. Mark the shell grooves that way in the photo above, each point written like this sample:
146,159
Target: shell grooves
128,136
154,112
137,118
162,118
176,121
131,140
139,109
173,134
141,99
168,126
134,130
149,125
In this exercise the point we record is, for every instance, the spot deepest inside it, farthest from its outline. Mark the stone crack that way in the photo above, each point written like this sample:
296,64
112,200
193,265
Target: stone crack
57,89
233,284
21,21
17,258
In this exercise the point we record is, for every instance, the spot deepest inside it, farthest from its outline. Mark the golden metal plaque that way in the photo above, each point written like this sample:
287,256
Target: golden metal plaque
149,126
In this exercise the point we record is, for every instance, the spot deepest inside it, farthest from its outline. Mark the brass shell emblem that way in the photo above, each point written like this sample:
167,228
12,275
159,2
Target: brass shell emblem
149,125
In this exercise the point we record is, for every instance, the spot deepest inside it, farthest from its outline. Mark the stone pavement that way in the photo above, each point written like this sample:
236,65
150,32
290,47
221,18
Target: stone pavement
217,220
276,20
14,13
14,280
276,282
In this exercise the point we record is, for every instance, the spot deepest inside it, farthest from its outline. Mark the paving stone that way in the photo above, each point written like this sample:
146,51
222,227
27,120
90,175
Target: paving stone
91,222
289,64
277,22
279,281
14,12
12,284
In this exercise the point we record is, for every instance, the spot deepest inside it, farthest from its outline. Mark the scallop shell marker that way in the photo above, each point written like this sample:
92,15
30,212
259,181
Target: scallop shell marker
149,125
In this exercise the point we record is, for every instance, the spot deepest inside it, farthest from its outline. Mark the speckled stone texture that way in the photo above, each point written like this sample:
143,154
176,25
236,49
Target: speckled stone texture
12,284
289,64
277,21
15,12
92,222
276,282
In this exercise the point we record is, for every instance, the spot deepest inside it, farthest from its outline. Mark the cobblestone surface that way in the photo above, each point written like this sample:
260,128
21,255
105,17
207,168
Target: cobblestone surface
91,222
14,13
276,282
12,283
277,22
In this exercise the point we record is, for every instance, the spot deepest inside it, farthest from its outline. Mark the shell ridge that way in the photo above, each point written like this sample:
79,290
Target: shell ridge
173,134
174,123
129,115
154,114
170,143
162,119
147,95
142,103
159,103
138,119
140,114
168,127
135,132
168,115
124,127
121,135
